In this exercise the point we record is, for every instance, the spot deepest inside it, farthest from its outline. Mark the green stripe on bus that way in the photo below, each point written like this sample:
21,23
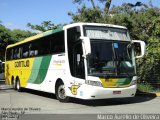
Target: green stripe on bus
124,81
53,31
43,69
35,69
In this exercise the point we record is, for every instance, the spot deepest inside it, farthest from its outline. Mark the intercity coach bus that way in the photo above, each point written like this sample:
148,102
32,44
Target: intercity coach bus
79,60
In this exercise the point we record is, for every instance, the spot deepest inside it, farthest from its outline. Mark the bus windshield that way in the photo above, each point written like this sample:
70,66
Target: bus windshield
110,58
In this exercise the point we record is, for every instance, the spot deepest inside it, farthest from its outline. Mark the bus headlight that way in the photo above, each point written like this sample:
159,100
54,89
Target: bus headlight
134,82
94,83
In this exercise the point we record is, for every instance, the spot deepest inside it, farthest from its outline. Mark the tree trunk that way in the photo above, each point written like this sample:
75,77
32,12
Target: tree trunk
107,6
92,1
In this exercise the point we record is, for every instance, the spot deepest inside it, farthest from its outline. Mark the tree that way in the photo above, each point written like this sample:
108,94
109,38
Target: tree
19,35
107,6
44,26
84,14
5,39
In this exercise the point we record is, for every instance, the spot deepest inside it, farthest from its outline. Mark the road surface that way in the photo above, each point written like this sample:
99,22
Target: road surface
40,103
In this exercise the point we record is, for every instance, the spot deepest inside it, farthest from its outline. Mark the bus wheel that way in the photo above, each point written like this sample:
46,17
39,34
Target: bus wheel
18,85
14,84
61,93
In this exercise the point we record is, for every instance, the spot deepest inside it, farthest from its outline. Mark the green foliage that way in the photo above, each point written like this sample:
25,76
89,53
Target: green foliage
149,66
5,37
19,35
44,26
86,15
145,87
5,34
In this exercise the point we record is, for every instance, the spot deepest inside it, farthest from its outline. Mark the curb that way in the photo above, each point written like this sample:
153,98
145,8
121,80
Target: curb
158,94
148,94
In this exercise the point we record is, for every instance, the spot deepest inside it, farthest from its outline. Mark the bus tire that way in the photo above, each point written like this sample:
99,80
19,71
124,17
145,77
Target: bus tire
61,93
18,85
14,84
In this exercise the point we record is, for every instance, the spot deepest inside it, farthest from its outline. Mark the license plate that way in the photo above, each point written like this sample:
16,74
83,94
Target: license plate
116,92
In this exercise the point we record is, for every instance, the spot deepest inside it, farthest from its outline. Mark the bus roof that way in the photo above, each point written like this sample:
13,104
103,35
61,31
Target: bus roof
94,24
61,29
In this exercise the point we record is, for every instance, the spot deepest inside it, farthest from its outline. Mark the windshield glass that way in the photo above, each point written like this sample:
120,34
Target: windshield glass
110,58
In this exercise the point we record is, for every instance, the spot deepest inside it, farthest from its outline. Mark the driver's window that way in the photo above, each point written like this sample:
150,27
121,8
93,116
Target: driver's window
78,61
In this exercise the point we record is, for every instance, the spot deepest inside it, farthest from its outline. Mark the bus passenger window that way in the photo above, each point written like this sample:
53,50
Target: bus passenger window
57,43
25,54
32,48
15,54
31,53
25,51
12,54
36,52
19,52
45,45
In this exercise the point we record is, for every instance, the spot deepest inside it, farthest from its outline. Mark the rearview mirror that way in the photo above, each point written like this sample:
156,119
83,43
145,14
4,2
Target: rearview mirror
86,45
140,48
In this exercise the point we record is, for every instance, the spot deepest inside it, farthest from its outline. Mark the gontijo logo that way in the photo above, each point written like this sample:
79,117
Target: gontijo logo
21,63
73,89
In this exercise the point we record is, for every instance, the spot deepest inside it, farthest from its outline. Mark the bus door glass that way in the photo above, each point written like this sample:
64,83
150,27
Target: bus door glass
75,53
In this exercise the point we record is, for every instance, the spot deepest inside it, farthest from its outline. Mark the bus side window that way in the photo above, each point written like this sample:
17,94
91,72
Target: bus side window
31,50
15,54
34,48
25,52
57,43
36,52
44,46
12,54
19,52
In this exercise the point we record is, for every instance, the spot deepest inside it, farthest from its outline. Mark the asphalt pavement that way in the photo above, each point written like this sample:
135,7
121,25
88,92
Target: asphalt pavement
40,104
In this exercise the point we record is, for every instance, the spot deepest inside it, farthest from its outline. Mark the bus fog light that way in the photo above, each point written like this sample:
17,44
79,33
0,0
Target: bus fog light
93,83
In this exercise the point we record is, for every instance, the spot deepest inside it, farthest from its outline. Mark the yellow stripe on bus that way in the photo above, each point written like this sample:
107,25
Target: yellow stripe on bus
109,82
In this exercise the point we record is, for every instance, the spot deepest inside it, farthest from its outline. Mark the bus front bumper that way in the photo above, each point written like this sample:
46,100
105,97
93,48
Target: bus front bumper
94,92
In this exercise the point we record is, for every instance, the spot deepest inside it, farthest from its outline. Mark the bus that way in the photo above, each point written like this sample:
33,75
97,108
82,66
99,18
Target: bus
79,60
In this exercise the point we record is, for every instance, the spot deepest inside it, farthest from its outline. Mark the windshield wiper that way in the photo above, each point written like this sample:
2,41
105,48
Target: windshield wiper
117,61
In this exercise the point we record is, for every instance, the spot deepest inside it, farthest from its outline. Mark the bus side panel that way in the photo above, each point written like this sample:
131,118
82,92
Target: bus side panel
18,69
39,72
56,70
